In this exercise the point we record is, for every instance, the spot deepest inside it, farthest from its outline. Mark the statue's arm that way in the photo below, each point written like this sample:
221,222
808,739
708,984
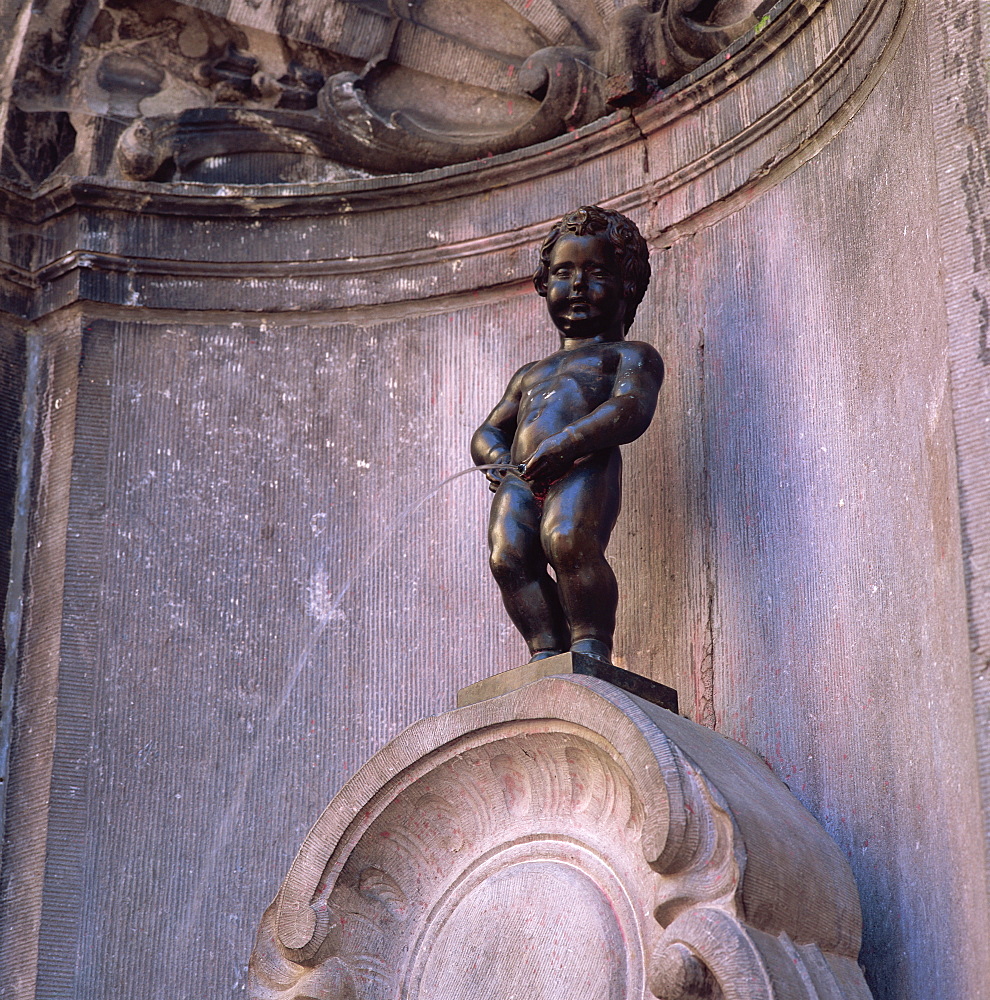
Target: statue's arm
492,441
625,416
620,419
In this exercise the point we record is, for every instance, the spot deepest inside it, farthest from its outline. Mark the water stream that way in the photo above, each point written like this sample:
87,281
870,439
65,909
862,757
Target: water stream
235,806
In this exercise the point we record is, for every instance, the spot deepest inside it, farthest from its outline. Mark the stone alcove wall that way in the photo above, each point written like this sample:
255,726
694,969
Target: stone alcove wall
231,411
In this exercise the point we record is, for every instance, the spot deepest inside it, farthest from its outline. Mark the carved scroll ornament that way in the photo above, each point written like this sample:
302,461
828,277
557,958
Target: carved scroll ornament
563,840
561,76
430,89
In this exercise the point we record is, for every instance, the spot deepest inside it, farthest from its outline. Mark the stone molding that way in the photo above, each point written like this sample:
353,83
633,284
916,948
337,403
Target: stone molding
682,865
694,153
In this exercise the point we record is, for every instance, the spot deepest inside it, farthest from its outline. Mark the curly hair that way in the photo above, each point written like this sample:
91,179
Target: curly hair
631,252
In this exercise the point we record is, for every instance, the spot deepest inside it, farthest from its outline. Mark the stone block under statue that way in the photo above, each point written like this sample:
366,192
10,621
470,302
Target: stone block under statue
563,839
569,663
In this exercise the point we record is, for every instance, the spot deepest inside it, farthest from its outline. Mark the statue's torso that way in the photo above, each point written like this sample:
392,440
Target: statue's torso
564,387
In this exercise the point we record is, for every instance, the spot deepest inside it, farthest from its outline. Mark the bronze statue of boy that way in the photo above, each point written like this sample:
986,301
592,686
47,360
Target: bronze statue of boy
557,431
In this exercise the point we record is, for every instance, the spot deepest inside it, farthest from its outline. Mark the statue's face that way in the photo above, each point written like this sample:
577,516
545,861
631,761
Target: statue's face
584,288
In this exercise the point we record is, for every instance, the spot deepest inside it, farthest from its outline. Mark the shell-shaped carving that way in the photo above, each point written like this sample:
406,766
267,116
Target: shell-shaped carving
516,790
373,883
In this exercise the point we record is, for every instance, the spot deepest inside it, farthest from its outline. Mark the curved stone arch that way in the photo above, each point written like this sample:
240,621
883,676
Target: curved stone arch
695,153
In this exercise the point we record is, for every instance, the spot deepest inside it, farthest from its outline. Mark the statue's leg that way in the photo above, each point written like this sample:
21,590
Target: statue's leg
578,516
520,569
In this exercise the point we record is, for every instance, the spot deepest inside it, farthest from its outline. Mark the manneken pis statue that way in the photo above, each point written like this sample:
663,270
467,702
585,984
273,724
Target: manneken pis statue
557,432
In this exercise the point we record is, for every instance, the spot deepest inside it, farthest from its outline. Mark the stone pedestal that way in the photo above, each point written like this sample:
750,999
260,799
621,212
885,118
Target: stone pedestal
564,839
569,663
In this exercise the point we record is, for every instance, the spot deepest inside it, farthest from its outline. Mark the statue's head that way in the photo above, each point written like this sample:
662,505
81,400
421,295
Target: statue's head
628,246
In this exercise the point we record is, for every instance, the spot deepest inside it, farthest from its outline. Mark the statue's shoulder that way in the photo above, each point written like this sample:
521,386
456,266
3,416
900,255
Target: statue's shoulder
639,351
522,372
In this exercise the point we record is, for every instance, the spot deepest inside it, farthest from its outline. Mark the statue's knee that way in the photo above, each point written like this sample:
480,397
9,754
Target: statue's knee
505,562
567,550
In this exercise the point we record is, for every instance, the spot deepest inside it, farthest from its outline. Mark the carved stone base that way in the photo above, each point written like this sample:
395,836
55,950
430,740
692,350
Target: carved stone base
565,839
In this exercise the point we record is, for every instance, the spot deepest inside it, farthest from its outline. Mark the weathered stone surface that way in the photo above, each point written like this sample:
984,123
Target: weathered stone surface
962,131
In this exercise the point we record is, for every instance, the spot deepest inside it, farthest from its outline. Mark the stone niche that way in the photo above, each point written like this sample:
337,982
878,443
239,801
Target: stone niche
565,839
235,372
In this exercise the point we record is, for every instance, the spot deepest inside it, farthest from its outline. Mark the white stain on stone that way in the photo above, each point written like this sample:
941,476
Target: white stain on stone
321,603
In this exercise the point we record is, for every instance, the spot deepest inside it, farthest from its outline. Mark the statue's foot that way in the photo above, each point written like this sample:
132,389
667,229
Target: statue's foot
544,654
593,647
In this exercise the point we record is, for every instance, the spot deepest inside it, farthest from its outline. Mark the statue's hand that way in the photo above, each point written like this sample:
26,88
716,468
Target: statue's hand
495,476
550,460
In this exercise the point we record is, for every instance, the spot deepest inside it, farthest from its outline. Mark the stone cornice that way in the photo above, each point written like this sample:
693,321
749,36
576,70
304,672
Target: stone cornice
696,152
